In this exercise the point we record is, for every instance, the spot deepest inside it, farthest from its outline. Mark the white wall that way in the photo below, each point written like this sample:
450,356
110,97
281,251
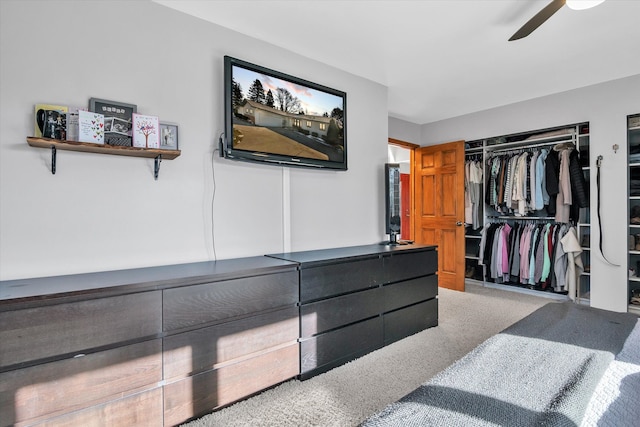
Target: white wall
101,212
605,107
404,130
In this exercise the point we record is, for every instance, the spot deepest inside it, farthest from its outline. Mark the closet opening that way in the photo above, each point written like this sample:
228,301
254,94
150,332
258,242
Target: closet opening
527,212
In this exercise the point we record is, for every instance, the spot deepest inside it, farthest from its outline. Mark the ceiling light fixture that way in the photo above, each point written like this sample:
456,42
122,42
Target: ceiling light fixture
583,4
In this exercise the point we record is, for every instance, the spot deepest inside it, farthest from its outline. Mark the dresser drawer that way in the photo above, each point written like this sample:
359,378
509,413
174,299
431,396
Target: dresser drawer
49,331
190,306
401,294
142,409
196,351
331,313
339,278
54,388
331,349
410,265
200,394
410,320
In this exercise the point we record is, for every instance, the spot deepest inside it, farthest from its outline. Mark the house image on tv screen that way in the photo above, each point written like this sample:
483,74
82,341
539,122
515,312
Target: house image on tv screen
259,127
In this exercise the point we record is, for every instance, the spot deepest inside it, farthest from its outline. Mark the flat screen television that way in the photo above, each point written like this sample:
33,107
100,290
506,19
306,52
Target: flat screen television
272,117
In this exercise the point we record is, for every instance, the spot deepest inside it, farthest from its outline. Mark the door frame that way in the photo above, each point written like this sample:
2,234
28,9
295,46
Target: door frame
412,148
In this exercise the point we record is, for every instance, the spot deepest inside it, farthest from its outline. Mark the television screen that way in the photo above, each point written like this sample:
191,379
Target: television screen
276,118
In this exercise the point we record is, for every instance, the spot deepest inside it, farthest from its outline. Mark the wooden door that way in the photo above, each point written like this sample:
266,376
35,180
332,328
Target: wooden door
405,206
439,208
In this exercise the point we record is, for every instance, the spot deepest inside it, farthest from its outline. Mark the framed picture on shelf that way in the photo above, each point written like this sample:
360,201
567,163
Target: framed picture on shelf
146,132
51,121
168,136
90,127
118,118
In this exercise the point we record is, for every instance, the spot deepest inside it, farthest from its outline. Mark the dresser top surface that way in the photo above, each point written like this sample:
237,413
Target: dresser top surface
352,252
138,279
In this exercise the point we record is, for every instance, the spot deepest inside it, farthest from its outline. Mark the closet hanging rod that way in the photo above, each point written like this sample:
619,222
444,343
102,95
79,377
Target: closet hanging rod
525,147
523,218
523,144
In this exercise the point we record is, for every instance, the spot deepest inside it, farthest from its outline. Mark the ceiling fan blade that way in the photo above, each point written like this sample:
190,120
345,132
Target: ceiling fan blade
538,19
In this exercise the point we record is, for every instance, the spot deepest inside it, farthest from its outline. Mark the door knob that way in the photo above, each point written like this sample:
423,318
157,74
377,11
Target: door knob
459,223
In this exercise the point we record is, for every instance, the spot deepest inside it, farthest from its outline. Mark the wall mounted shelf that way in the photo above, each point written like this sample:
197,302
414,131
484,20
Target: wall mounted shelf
86,147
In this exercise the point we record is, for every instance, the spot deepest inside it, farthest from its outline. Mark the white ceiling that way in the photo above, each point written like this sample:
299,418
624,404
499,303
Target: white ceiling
444,58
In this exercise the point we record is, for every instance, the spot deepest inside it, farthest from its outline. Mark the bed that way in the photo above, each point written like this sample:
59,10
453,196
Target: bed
563,365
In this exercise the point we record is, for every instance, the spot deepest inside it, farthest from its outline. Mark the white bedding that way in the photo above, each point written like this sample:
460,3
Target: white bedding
616,400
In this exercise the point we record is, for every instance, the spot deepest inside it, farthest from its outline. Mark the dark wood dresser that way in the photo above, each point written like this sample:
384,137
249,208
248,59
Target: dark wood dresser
357,299
152,346
162,345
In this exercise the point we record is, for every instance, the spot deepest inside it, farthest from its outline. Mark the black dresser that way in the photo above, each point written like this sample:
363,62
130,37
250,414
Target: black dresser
357,299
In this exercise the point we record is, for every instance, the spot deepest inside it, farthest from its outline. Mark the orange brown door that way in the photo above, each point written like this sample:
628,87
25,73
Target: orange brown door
439,208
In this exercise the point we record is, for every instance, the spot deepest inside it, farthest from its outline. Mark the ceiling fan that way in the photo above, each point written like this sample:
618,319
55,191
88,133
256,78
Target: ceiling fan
546,13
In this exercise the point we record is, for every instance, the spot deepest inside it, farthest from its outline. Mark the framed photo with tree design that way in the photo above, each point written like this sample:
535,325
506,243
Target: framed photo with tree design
168,136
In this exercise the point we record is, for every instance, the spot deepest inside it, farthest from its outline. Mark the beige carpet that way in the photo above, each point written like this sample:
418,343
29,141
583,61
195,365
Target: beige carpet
347,395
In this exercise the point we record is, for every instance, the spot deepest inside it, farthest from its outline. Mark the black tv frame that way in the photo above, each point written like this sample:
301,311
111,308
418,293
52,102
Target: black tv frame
233,151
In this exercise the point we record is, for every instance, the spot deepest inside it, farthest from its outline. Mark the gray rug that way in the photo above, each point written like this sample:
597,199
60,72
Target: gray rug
541,371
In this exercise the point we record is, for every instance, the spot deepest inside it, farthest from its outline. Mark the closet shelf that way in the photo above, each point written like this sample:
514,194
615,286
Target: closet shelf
522,218
554,139
475,150
634,279
521,145
87,147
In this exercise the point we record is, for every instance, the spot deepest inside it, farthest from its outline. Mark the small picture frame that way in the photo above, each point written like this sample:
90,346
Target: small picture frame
146,132
168,136
118,118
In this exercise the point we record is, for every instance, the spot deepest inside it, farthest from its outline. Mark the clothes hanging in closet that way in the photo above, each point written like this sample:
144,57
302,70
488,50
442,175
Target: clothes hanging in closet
543,256
472,193
521,182
566,185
